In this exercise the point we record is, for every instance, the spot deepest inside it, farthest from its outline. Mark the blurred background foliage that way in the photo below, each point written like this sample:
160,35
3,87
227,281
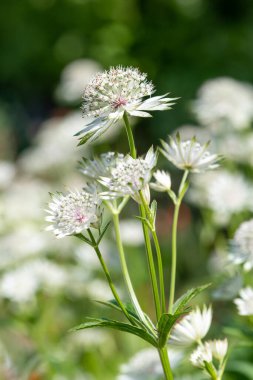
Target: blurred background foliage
180,44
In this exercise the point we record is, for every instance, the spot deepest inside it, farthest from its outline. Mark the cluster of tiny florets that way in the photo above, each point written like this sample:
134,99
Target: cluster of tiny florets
129,175
72,213
114,88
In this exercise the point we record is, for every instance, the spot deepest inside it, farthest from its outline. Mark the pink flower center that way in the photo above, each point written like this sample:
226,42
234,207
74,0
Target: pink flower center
80,217
119,102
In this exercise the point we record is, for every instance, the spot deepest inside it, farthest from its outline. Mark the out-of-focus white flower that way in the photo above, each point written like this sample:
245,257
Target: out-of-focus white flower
189,155
98,290
224,103
202,354
72,213
24,241
245,302
74,77
23,201
55,148
129,176
21,284
219,348
146,365
192,327
131,232
7,174
114,92
163,181
242,245
213,191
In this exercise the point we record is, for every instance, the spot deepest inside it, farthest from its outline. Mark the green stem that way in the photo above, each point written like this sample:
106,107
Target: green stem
163,353
158,253
108,277
174,241
125,270
129,136
151,265
160,270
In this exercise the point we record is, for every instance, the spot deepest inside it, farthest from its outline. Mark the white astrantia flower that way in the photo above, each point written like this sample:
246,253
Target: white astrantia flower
189,155
192,327
163,181
245,302
72,213
146,365
219,348
129,176
242,245
224,103
112,93
202,354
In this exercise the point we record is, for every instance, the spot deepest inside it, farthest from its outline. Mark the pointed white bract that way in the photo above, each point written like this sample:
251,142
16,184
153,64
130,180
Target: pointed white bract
99,166
128,176
202,354
189,155
72,213
117,91
205,353
192,327
219,348
245,302
163,181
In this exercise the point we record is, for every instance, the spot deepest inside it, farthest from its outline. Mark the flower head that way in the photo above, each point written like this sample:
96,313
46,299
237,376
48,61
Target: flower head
129,176
192,327
163,181
114,92
245,302
189,155
202,354
72,213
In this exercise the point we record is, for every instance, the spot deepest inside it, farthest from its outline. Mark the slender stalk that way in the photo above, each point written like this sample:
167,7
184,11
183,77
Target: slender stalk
108,277
151,265
160,270
125,270
174,241
163,353
158,254
130,136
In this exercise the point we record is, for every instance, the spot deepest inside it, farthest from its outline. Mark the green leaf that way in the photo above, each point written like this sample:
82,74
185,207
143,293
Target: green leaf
103,232
103,322
165,324
181,303
145,221
129,308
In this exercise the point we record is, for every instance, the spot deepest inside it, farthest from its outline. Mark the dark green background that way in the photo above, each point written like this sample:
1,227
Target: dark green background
179,43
